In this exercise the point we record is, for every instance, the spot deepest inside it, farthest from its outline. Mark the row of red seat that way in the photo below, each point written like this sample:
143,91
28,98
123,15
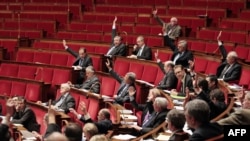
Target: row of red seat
55,58
241,37
51,75
34,34
235,24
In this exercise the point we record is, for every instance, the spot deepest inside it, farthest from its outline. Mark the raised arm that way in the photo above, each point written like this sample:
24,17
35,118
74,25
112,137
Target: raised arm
69,49
159,20
113,30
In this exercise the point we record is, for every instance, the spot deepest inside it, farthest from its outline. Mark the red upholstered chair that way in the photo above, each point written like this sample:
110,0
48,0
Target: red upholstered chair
24,56
96,59
61,76
59,59
38,44
5,87
3,103
26,71
108,86
159,76
18,88
200,64
33,92
198,46
121,66
93,108
244,79
152,42
149,73
9,69
40,118
42,57
212,67
71,60
137,68
142,30
44,74
242,52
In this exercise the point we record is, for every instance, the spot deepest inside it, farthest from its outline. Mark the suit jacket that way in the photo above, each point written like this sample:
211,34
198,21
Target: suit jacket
87,61
4,132
27,118
119,50
184,58
69,102
239,117
148,107
206,131
103,126
169,81
234,73
178,135
92,83
146,53
155,121
175,30
188,82
122,95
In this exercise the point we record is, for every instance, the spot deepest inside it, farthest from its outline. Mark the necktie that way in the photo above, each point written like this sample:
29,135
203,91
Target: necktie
124,88
225,70
147,119
179,86
59,103
139,52
80,62
177,57
111,50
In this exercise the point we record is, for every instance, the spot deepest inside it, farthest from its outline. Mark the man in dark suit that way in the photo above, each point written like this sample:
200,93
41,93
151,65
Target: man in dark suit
92,82
140,50
147,109
82,61
117,48
181,55
64,102
197,117
184,81
230,69
169,81
127,82
25,116
158,117
103,124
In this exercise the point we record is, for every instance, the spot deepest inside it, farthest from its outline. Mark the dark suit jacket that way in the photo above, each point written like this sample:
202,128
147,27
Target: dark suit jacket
119,50
239,117
148,107
27,118
234,73
155,121
169,81
187,83
87,61
69,102
185,57
4,132
103,126
206,131
93,83
124,96
146,53
175,31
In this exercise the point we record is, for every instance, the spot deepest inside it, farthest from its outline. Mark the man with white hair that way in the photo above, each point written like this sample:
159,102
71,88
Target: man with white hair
172,29
230,69
160,112
169,81
64,102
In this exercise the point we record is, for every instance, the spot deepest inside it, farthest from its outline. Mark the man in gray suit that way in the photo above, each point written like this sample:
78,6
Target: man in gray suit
82,61
92,82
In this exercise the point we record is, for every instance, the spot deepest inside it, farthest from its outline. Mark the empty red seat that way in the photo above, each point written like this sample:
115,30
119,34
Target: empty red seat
212,67
108,86
158,42
198,46
5,87
61,76
149,73
137,68
33,92
242,52
121,66
42,57
159,77
200,65
24,56
18,88
59,59
9,69
244,79
26,71
44,74
93,112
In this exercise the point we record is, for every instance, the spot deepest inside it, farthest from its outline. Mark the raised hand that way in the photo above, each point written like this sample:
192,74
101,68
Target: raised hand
157,55
219,35
108,64
65,44
154,12
115,19
73,111
83,108
131,91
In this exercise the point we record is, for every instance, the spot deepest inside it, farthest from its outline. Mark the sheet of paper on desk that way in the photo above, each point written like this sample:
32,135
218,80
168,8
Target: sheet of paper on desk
27,135
162,137
125,111
167,91
128,123
179,108
123,137
17,125
132,117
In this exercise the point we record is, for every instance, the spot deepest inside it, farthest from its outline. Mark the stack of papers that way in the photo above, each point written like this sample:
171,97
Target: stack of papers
125,111
128,123
162,137
179,108
235,87
124,137
129,117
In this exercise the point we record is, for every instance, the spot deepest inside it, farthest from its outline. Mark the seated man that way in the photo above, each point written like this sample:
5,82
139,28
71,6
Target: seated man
65,101
172,29
230,69
140,50
103,124
181,55
92,82
185,81
197,117
169,81
82,61
127,82
25,116
147,109
117,47
158,117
